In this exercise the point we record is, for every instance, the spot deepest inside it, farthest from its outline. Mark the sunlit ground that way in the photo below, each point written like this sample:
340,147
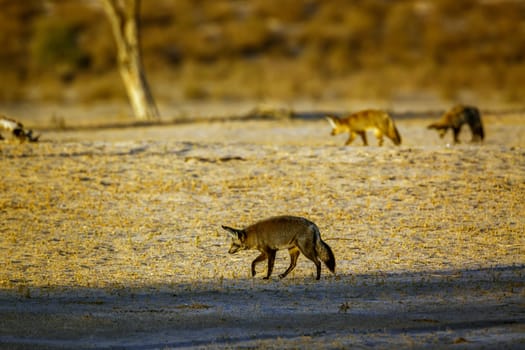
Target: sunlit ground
115,235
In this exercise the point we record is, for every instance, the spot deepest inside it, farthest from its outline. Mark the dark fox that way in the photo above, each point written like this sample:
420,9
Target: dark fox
296,234
456,118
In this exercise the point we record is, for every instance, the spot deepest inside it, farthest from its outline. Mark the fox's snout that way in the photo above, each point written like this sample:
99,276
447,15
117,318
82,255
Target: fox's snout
234,249
336,131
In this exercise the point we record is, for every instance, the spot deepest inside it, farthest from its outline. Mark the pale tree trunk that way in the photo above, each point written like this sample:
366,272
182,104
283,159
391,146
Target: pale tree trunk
124,18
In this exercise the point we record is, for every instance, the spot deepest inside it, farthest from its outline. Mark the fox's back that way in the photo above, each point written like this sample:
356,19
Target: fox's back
367,119
279,231
459,115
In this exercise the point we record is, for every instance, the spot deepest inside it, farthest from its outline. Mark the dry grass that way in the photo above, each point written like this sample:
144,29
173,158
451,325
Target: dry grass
144,213
127,216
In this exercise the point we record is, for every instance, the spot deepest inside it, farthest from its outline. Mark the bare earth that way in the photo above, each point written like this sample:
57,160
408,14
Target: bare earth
111,238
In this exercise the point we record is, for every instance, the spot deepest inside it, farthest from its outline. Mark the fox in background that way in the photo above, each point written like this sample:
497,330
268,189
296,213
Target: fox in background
358,123
458,116
16,129
296,234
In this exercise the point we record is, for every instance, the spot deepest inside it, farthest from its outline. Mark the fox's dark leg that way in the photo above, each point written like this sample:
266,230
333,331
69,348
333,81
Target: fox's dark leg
310,253
318,266
476,126
363,136
258,259
477,138
271,261
456,134
477,132
294,254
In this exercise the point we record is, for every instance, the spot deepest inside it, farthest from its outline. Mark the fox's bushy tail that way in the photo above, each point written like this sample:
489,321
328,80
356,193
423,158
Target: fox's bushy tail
325,252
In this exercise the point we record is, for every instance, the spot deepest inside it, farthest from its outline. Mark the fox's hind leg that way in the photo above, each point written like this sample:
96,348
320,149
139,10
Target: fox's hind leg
294,255
258,259
363,137
271,261
477,132
310,253
456,131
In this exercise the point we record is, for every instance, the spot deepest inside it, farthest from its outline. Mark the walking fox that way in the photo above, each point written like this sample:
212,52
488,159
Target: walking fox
455,118
358,123
296,234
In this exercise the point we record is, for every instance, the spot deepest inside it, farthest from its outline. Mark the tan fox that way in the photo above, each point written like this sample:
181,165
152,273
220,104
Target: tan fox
16,130
296,234
455,118
358,123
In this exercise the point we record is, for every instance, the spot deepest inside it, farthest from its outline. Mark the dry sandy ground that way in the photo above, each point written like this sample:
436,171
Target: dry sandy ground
112,239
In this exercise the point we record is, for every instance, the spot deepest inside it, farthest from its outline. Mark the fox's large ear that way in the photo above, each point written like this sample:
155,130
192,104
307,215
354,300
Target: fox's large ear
235,233
331,121
232,231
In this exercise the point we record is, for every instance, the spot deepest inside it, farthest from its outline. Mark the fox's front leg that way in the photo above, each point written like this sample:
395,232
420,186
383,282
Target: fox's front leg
351,137
456,134
271,261
257,260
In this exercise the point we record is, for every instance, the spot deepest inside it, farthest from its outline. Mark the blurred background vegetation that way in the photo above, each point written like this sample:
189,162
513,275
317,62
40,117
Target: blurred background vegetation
229,50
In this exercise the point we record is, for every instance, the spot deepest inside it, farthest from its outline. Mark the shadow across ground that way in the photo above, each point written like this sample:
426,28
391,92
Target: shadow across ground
471,307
